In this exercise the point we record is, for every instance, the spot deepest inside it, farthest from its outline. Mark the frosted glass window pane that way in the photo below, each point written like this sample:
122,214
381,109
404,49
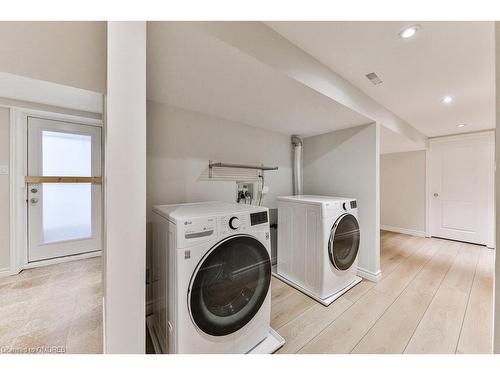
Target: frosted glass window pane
67,212
66,154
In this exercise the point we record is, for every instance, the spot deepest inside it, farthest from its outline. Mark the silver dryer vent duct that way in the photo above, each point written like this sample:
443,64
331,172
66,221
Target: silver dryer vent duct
297,165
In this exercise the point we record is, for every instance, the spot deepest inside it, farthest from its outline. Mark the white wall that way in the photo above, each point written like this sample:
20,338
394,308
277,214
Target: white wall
66,53
402,191
4,190
69,53
125,189
181,142
346,163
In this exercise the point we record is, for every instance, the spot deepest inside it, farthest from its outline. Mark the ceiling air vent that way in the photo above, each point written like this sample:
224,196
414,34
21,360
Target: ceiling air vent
374,78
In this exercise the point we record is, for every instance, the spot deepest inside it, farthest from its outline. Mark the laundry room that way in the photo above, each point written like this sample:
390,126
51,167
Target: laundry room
248,187
225,126
236,121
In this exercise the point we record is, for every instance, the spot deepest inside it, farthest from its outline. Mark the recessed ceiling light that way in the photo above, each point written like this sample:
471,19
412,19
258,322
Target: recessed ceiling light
409,32
460,125
447,99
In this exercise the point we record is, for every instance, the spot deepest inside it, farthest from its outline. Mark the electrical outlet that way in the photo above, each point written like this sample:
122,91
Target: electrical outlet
4,169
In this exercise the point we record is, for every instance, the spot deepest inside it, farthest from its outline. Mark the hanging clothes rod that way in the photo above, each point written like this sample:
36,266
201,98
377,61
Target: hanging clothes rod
242,166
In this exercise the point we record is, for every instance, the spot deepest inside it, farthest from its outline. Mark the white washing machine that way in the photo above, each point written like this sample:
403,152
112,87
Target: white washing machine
211,279
318,243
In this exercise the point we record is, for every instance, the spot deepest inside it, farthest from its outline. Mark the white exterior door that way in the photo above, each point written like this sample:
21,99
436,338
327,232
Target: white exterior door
462,187
64,218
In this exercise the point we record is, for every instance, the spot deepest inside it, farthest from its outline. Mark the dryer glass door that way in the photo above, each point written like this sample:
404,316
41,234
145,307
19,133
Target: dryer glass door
230,285
344,242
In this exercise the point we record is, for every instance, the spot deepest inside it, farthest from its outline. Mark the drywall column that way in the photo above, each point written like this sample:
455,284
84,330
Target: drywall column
402,192
4,192
125,189
496,333
345,163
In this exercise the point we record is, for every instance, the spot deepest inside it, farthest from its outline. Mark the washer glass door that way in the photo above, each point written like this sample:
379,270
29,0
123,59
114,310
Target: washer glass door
344,242
230,285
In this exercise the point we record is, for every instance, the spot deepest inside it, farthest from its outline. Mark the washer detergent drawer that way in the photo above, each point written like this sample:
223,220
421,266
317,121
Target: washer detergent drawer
194,231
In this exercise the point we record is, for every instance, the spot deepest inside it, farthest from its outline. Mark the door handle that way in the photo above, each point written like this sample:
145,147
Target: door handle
33,201
436,194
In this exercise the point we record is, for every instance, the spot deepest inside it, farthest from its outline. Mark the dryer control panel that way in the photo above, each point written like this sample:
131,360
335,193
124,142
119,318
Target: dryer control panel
349,205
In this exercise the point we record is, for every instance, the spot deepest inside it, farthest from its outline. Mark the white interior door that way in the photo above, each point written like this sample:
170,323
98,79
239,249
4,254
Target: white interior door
461,188
63,218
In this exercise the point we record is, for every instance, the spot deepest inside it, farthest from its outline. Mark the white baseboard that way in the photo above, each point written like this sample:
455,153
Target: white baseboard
4,272
69,258
410,232
369,275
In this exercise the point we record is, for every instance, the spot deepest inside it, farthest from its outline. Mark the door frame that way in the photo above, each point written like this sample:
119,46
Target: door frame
487,134
18,192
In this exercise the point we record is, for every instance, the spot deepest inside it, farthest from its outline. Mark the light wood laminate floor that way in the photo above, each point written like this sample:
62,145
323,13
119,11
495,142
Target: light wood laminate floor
435,296
53,309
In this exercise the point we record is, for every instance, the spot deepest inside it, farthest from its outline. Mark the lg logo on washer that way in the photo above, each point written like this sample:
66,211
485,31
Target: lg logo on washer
196,228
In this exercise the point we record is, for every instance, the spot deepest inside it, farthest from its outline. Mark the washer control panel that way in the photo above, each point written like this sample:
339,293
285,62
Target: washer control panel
258,218
233,223
198,228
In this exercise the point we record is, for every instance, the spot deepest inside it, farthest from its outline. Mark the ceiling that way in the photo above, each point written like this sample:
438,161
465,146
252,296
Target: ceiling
444,58
190,69
391,142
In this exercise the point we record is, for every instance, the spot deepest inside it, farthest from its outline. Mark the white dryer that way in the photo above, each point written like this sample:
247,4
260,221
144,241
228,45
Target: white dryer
318,243
211,279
